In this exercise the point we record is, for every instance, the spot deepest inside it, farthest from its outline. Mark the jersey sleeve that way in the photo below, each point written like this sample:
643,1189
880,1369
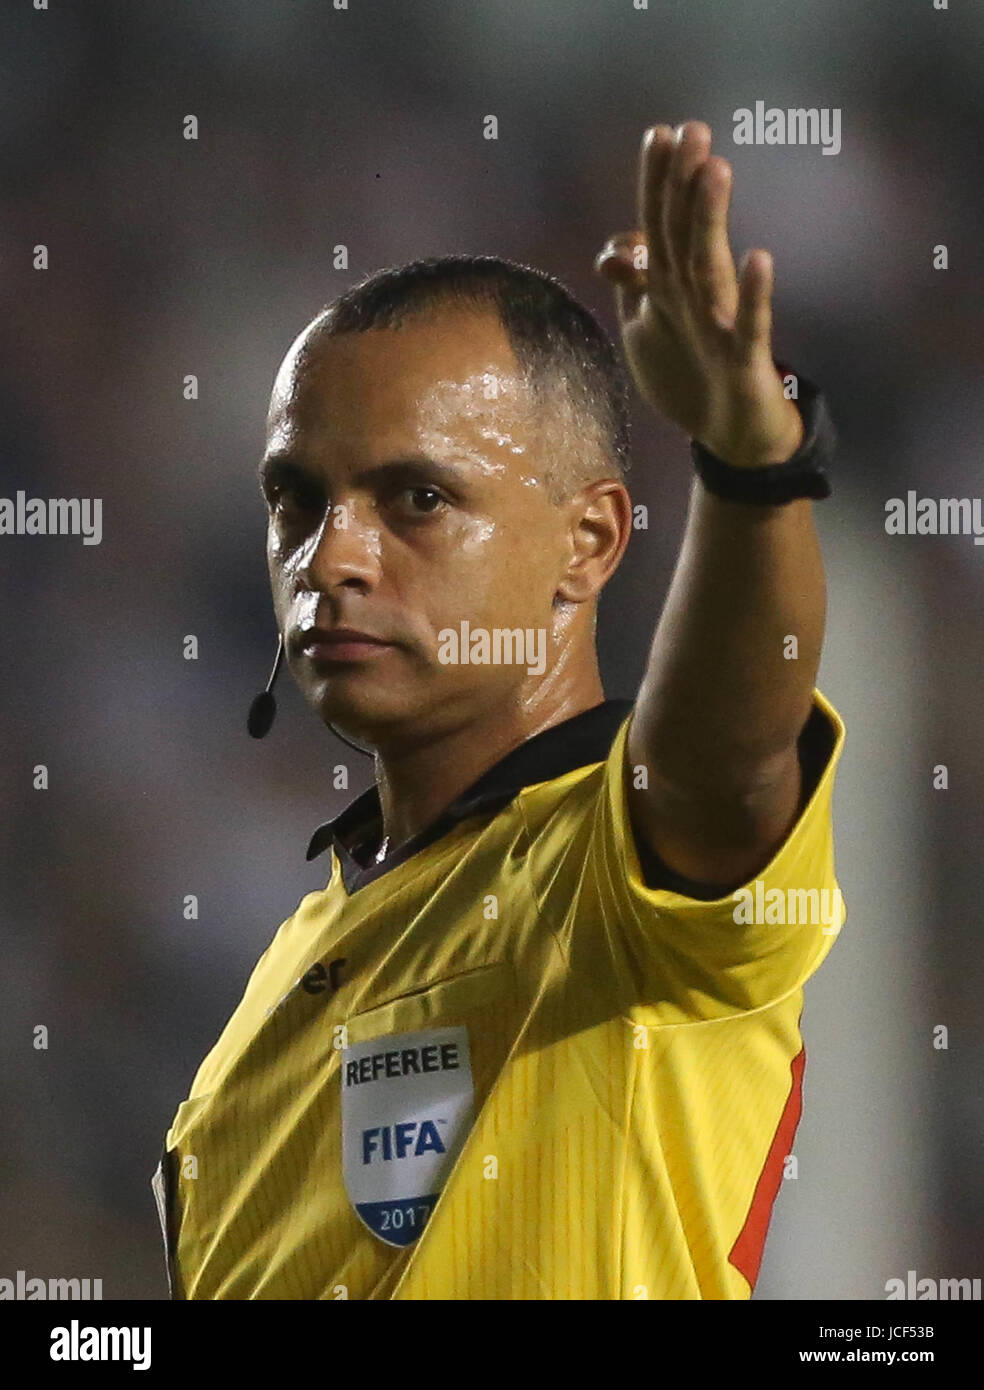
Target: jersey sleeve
699,957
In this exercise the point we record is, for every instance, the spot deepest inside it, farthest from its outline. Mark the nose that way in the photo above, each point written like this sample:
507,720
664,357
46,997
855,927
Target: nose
343,551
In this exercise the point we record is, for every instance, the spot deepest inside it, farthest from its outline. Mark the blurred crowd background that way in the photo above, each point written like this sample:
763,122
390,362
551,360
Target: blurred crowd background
363,127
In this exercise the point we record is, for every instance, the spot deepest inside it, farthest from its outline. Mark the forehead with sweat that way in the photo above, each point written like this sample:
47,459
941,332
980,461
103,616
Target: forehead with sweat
449,379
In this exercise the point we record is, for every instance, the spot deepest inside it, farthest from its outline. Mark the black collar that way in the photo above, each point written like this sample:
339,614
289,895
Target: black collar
586,738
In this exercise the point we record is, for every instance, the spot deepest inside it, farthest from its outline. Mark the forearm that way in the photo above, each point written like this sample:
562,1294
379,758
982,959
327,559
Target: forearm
726,692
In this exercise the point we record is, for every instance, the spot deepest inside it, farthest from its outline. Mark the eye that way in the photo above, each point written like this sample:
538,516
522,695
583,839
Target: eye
290,503
423,500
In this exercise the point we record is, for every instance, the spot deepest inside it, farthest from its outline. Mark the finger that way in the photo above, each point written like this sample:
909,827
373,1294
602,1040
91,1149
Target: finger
689,154
626,250
654,161
711,264
623,261
753,321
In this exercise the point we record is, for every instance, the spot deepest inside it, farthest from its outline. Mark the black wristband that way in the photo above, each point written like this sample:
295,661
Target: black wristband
802,475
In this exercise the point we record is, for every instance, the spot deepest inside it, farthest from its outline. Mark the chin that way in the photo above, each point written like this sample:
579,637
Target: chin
381,712
366,714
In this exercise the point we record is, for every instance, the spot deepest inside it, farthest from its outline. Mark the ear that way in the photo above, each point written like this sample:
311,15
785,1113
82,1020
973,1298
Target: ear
599,524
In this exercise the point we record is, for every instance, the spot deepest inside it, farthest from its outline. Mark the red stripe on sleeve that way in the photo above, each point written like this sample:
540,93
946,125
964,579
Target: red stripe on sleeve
746,1253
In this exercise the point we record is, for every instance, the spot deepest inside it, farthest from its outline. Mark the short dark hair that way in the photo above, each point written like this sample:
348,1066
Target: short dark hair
558,344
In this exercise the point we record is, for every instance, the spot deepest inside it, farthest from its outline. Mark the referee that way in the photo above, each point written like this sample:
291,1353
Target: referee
538,1036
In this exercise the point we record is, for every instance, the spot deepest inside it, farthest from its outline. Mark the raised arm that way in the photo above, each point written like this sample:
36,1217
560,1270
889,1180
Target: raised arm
724,697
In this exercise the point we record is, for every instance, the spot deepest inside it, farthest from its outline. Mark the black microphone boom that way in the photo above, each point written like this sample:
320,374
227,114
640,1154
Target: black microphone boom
263,710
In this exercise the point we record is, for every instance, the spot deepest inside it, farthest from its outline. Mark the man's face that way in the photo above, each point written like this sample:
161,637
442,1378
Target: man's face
405,482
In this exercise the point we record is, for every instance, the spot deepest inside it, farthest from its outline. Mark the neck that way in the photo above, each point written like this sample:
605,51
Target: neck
419,780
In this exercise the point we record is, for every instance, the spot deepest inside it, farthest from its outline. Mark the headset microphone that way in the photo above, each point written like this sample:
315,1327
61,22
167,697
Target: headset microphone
263,710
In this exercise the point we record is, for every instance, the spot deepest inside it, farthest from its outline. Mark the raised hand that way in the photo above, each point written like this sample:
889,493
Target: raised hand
698,339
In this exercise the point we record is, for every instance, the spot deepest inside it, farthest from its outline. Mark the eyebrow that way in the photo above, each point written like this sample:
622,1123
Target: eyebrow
420,469
278,465
281,466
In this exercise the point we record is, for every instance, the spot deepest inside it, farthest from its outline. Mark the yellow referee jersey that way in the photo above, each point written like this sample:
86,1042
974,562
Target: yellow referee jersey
515,1060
